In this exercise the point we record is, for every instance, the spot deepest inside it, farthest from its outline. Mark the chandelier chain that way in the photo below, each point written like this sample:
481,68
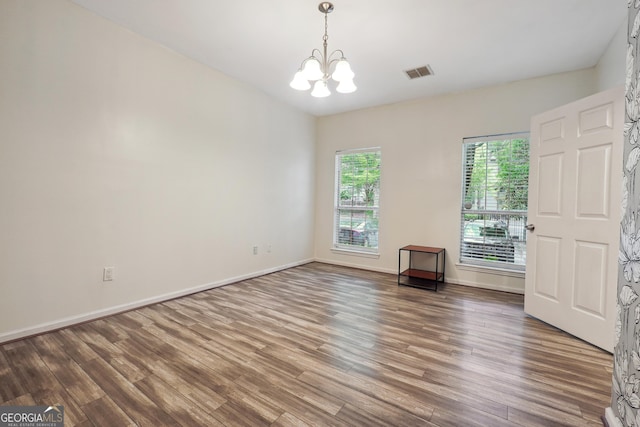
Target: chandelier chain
326,27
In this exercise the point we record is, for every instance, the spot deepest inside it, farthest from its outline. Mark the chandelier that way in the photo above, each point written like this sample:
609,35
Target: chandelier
316,68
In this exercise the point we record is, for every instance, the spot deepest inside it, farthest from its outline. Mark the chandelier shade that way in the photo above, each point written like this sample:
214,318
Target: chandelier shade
317,68
312,70
320,89
342,71
346,86
299,82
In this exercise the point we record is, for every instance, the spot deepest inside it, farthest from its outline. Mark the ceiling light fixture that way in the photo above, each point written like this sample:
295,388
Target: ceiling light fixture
316,68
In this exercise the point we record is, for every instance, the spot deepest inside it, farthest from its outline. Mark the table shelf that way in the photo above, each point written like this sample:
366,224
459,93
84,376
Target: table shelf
424,277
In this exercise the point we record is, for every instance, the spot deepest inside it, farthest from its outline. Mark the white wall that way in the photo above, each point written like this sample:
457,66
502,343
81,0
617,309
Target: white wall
115,151
610,70
421,164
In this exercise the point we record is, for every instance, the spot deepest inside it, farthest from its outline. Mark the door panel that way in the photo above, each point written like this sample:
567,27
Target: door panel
596,119
552,130
549,200
591,278
594,170
548,257
574,192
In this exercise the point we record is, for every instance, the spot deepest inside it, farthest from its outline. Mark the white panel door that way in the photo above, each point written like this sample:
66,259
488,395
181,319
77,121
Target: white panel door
574,204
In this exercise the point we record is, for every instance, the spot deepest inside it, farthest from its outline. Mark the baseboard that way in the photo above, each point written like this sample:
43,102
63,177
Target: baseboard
510,289
94,315
354,265
610,418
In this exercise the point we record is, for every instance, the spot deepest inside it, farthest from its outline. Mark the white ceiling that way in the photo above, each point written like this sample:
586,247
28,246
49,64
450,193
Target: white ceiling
468,43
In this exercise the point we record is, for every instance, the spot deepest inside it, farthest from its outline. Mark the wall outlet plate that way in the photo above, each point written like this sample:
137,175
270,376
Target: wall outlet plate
107,274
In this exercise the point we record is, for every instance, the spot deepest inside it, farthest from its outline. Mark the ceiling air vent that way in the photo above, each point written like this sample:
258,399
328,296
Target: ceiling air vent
414,73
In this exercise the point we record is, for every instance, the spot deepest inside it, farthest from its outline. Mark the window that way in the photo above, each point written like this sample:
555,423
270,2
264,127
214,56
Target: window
357,200
495,180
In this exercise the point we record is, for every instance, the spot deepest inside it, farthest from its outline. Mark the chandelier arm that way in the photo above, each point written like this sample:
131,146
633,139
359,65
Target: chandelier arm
319,57
339,52
313,55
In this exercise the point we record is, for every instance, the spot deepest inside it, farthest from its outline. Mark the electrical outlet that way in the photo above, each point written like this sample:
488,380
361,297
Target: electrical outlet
268,249
255,250
107,274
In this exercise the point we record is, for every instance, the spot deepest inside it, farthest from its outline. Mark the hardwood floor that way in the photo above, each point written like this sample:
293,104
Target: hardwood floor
315,345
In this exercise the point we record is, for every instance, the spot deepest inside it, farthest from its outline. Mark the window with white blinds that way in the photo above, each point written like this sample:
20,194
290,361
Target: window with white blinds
495,180
357,200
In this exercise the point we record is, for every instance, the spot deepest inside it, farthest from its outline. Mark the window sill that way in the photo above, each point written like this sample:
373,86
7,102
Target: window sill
352,252
491,270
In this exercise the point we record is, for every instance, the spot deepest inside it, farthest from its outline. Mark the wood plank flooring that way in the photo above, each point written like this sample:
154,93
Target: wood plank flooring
315,345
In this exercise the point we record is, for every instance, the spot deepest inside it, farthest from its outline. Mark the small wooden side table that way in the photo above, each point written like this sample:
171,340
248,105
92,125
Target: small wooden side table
427,278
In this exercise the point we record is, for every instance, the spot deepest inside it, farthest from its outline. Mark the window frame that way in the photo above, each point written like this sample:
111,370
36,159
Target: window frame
490,255
337,246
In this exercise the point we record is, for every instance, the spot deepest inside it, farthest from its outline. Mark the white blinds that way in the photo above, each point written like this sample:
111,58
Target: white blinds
357,199
494,200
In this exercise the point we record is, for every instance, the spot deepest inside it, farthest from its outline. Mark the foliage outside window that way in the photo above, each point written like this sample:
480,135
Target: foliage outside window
357,200
494,201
